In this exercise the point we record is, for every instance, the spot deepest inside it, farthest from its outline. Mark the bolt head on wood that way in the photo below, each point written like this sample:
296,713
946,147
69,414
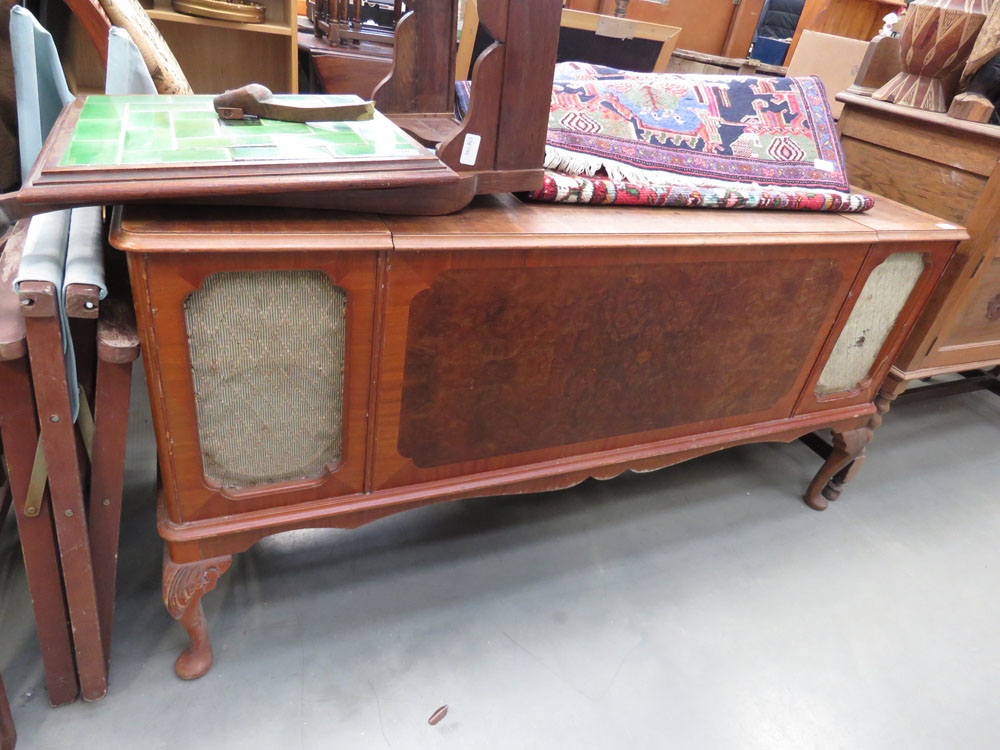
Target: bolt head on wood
68,513
54,418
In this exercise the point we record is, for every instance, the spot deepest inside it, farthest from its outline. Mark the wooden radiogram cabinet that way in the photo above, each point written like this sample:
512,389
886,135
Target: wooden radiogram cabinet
949,168
309,369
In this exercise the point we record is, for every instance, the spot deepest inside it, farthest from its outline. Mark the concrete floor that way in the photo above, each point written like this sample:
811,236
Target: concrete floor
702,606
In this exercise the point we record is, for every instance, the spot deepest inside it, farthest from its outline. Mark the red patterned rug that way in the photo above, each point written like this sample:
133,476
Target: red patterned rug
617,137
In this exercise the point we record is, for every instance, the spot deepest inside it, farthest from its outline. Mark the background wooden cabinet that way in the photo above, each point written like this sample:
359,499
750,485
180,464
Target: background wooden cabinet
949,168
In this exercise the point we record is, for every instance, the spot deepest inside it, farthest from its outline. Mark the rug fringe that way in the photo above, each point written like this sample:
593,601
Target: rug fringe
588,165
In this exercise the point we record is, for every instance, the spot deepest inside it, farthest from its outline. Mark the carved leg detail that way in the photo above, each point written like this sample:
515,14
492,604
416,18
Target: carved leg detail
836,485
847,446
183,586
848,452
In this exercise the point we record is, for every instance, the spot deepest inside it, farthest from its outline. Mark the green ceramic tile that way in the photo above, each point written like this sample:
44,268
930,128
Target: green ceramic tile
196,135
241,125
247,138
197,154
212,141
143,99
147,139
352,149
142,156
148,120
195,128
90,154
97,130
339,136
252,153
148,104
181,154
300,151
101,108
276,126
196,114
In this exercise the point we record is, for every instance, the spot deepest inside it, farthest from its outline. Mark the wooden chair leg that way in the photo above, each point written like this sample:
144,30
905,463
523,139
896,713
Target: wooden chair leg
65,483
106,476
183,586
38,544
8,734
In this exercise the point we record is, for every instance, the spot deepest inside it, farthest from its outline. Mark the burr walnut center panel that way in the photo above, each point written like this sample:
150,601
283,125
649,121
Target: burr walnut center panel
507,360
267,358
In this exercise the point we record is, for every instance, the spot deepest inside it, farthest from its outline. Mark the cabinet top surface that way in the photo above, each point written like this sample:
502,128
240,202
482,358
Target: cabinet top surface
504,221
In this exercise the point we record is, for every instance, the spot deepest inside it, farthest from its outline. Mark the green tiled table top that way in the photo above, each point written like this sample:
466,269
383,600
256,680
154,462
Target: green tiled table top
126,130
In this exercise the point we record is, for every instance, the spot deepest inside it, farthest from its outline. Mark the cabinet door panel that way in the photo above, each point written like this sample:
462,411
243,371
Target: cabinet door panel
978,324
499,359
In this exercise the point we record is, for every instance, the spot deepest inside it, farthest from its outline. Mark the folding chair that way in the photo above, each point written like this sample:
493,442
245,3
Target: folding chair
60,276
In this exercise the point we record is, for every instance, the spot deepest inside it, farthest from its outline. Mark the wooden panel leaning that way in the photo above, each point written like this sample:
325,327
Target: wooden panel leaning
950,168
318,370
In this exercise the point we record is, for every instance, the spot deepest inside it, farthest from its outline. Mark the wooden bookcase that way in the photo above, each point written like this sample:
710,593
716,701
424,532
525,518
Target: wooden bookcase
214,55
219,55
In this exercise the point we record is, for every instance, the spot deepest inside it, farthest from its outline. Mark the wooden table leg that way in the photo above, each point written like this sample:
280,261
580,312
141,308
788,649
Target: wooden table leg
65,482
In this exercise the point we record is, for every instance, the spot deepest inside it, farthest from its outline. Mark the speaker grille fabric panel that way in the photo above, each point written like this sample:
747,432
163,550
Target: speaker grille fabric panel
882,299
267,357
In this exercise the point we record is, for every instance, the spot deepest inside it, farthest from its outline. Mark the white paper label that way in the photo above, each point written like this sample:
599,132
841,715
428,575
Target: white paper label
824,165
616,28
470,149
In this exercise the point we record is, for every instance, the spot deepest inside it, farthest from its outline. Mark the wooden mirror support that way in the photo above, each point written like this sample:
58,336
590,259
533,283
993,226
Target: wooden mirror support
500,143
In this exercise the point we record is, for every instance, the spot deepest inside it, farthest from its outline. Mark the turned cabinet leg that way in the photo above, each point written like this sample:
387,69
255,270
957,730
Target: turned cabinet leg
183,586
849,447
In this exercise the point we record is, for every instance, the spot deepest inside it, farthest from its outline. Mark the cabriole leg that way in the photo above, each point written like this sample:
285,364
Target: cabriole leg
183,586
849,447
